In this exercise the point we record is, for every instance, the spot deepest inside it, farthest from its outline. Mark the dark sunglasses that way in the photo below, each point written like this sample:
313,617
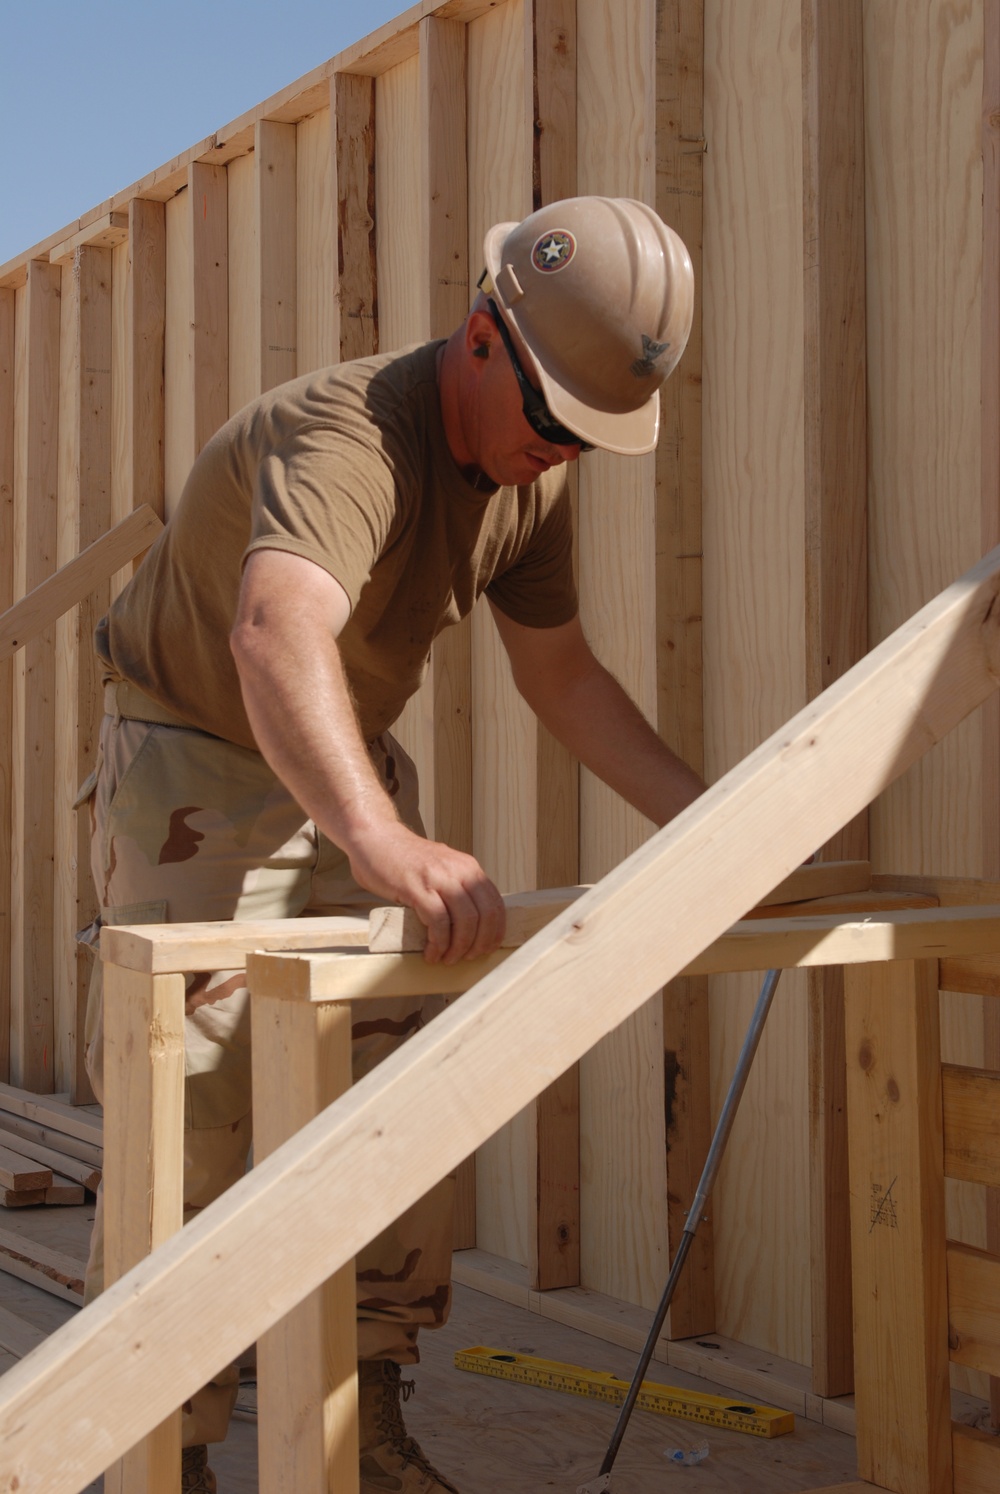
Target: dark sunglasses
536,411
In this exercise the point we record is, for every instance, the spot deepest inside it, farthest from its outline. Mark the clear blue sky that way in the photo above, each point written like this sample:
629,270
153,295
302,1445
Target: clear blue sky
96,93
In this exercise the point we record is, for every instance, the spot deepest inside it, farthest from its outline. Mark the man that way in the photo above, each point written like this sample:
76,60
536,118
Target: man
256,662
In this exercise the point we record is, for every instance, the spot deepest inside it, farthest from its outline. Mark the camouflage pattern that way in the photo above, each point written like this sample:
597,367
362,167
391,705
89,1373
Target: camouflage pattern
186,828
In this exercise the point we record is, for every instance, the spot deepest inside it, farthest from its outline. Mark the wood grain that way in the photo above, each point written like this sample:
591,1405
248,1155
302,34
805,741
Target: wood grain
207,204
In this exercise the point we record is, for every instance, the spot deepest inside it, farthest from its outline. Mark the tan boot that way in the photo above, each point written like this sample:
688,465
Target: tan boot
391,1461
196,1476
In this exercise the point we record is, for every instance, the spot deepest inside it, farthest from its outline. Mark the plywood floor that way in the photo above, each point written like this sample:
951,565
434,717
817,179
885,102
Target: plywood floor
490,1436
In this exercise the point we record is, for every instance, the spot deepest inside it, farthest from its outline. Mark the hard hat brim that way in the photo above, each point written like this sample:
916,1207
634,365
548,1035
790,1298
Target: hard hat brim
628,433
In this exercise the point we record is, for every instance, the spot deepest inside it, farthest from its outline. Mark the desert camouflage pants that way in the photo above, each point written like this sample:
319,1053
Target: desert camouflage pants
186,828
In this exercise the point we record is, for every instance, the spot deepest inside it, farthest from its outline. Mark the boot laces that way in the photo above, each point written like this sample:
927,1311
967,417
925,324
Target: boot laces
390,1419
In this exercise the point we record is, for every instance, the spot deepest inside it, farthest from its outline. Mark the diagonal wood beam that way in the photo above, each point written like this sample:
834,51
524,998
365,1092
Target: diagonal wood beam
117,1370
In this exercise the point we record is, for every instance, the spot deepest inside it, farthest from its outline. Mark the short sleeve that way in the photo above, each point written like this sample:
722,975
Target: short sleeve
330,496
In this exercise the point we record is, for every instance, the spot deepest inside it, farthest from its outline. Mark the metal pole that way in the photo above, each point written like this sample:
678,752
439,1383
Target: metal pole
723,1127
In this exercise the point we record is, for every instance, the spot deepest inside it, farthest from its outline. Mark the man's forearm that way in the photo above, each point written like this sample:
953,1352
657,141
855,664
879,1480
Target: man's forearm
599,723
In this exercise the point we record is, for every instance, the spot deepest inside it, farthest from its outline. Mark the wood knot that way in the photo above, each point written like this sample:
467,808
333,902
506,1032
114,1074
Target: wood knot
892,1090
866,1055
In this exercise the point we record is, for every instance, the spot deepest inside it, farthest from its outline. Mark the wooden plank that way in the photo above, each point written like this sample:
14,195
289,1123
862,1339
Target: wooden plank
820,879
21,1198
35,558
505,798
974,1307
7,402
753,606
924,326
51,1111
622,1098
64,1193
836,601
65,1146
307,1364
680,128
143,468
178,351
990,519
103,233
274,154
550,84
244,276
84,515
52,1270
144,1167
897,1205
759,944
976,1458
445,711
76,580
315,242
687,1053
17,1335
972,1146
18,1172
208,205
352,116
548,1005
396,930
70,1167
201,946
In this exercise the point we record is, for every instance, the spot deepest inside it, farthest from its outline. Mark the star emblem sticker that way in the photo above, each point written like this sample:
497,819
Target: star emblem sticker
651,351
553,250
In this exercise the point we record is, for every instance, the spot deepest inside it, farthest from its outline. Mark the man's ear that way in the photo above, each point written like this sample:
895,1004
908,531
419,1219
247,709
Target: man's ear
480,332
482,350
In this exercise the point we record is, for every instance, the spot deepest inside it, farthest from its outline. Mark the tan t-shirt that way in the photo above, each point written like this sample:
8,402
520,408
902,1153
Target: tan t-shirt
350,468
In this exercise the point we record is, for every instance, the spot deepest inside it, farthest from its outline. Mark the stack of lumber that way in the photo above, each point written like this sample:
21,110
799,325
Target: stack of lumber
50,1151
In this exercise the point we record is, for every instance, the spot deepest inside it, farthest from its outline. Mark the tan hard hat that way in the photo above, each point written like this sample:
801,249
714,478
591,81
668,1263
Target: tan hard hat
601,292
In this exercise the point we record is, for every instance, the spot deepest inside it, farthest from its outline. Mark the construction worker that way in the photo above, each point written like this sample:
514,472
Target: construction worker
270,639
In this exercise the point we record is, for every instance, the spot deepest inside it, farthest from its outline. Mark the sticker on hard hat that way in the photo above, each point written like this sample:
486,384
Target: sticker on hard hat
553,251
651,351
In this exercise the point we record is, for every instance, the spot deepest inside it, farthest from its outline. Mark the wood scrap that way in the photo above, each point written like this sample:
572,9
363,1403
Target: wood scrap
81,1173
49,1269
20,1198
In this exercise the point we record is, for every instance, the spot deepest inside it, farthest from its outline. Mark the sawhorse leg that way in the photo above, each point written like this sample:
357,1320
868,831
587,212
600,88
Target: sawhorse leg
143,1168
307,1408
896,1148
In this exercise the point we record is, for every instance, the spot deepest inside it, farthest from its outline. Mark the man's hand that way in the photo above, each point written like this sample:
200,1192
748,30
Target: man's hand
284,643
450,893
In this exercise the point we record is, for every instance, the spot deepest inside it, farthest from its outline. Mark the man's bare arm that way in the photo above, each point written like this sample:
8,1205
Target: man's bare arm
588,711
284,642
